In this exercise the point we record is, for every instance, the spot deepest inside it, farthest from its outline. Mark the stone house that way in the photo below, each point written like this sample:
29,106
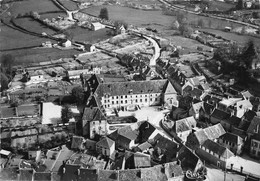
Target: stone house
232,142
105,146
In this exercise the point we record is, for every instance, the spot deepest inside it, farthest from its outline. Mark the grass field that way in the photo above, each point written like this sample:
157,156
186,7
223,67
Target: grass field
221,6
70,5
21,7
149,18
82,34
39,55
10,38
33,25
242,39
53,15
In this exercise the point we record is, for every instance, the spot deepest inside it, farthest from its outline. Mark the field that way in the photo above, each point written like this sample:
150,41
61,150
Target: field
82,34
152,18
33,25
242,39
142,2
40,55
70,5
11,39
21,7
53,15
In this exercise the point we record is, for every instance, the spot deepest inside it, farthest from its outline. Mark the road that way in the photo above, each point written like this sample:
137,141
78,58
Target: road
157,51
214,174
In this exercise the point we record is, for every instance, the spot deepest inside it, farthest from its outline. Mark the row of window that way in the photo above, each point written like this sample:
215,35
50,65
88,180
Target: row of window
135,100
131,96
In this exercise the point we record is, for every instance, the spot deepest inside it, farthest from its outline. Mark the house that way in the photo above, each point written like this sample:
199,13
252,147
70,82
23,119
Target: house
197,138
255,146
137,160
218,115
40,176
232,141
5,153
145,131
131,174
66,43
122,29
144,147
206,110
97,26
180,129
254,127
195,110
77,143
188,160
231,123
173,171
85,174
214,153
105,146
167,147
242,107
93,122
170,96
129,94
70,172
246,95
124,137
108,175
90,48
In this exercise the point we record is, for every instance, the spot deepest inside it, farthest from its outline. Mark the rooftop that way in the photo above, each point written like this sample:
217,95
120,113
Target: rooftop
51,113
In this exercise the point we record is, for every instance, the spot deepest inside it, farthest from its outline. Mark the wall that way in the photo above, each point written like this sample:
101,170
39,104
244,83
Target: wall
98,127
255,148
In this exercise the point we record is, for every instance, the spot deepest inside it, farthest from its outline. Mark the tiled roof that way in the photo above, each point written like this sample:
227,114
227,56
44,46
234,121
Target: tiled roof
108,175
219,114
125,88
153,174
130,175
185,124
42,176
172,168
77,142
218,149
141,160
254,126
144,146
232,138
211,132
71,172
92,114
87,174
105,142
196,107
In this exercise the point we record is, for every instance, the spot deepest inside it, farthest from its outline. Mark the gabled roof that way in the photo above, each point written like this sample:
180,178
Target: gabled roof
219,114
125,88
141,160
230,101
211,132
144,146
249,115
254,127
71,172
108,175
93,114
218,149
87,174
105,142
77,142
42,176
173,169
245,104
185,124
129,175
232,138
233,120
208,108
170,89
247,94
196,107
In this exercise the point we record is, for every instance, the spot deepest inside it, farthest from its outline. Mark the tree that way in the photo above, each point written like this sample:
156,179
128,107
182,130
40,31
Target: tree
103,14
66,114
78,94
7,62
249,54
240,4
4,82
185,30
175,25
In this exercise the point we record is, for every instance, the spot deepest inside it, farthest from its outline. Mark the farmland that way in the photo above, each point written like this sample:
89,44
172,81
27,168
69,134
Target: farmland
150,18
242,39
34,26
11,39
70,5
22,7
82,34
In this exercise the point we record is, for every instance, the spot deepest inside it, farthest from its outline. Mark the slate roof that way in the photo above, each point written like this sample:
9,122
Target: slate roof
71,172
144,146
232,138
92,114
26,174
196,107
208,108
233,120
105,142
218,149
219,114
255,123
141,160
137,87
249,115
153,174
185,124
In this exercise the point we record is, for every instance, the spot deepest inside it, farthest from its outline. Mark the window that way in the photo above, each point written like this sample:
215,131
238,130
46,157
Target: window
117,102
121,97
125,101
117,97
112,102
136,100
105,101
125,96
145,100
145,95
140,100
136,96
112,97
151,99
121,102
155,99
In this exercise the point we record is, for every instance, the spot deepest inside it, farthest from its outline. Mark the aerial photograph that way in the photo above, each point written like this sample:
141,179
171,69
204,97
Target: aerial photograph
130,90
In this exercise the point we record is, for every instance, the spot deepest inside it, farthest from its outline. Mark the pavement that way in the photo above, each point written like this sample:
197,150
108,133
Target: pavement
214,174
156,51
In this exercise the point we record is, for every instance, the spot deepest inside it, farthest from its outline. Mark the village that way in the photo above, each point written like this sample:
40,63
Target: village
132,105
